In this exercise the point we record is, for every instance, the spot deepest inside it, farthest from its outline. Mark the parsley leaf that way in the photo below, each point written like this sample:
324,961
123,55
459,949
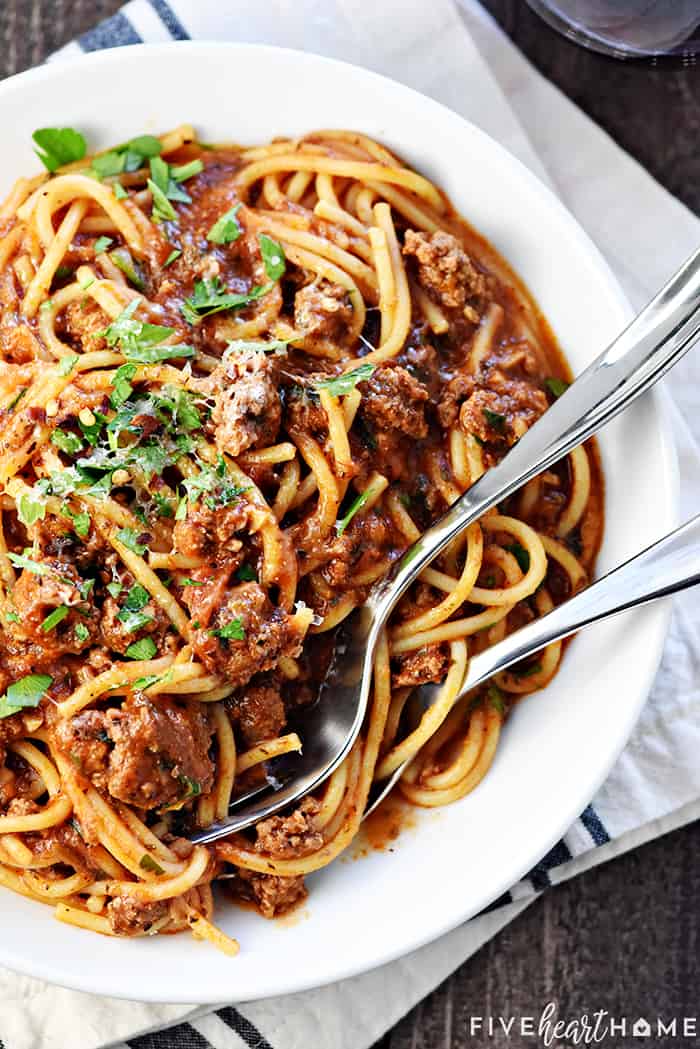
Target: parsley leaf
163,211
192,788
67,363
129,538
495,420
66,442
140,341
20,561
143,649
226,228
123,259
121,385
185,171
272,256
521,555
59,146
149,864
81,523
81,632
342,523
91,431
341,384
556,386
174,254
133,621
232,630
214,485
496,698
54,618
528,671
29,510
211,296
27,692
137,598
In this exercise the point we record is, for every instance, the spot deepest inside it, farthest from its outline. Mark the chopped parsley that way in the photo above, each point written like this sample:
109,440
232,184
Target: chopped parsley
213,485
534,668
121,385
58,146
192,788
495,420
124,260
163,211
54,618
496,699
342,523
149,864
91,431
174,254
21,561
342,384
143,649
184,171
127,158
114,589
246,573
186,581
81,632
119,192
226,229
140,341
130,538
30,510
81,521
101,244
521,555
27,692
556,386
210,296
232,630
66,442
67,363
272,256
164,184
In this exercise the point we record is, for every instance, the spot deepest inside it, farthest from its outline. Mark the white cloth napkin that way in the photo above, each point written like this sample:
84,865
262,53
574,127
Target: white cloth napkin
461,58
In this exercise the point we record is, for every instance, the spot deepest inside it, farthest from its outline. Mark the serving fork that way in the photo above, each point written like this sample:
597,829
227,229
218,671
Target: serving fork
644,351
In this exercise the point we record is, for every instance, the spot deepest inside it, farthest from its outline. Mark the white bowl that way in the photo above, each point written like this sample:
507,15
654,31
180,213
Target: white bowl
558,746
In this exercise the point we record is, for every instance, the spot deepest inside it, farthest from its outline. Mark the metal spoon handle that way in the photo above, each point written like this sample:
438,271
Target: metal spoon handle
665,567
658,337
670,565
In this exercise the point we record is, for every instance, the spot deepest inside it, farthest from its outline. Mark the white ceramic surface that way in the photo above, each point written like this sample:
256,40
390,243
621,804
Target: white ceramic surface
558,746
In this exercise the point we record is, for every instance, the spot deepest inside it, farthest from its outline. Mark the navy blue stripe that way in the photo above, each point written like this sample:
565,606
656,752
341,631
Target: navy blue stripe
116,31
555,857
594,825
170,20
502,901
181,1037
243,1028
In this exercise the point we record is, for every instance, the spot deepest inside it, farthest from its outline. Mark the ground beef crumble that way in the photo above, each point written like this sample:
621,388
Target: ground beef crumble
446,271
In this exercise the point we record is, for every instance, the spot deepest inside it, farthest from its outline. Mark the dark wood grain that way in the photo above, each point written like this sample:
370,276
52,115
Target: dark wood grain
624,937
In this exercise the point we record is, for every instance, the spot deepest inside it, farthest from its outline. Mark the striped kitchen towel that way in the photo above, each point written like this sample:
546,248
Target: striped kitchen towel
461,58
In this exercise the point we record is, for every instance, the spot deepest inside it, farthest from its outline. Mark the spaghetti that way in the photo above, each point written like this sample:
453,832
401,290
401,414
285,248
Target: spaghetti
235,384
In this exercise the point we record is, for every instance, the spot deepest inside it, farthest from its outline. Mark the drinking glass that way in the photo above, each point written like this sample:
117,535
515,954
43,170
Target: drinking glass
628,28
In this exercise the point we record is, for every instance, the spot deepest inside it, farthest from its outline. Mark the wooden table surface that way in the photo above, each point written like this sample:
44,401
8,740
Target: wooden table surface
626,936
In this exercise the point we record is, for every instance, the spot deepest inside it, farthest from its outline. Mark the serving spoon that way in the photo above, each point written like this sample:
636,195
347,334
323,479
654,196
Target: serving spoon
650,345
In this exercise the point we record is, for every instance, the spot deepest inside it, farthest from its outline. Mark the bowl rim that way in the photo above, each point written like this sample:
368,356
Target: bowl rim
90,980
